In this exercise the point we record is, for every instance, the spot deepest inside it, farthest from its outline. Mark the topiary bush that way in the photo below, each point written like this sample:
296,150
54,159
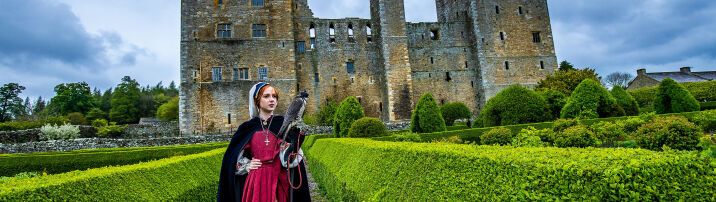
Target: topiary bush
591,100
555,101
529,137
499,135
576,136
707,120
515,105
348,111
625,100
671,131
426,117
478,123
367,127
609,133
326,113
454,111
672,97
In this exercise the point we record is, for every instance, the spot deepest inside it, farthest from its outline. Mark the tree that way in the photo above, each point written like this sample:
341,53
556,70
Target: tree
125,101
10,102
453,111
591,100
326,112
38,108
565,66
169,111
618,79
567,81
555,101
73,97
172,91
106,101
515,105
672,97
625,100
426,116
94,114
348,111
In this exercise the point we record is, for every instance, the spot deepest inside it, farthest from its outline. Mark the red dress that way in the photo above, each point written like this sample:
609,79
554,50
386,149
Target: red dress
269,182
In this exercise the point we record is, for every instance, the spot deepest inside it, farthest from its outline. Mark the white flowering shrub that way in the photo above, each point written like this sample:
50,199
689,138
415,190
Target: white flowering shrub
50,132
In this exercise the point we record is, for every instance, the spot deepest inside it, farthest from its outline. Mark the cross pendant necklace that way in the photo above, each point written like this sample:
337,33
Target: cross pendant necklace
267,141
266,132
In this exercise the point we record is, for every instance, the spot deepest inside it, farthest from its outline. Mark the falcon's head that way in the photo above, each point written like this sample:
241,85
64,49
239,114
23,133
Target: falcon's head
304,95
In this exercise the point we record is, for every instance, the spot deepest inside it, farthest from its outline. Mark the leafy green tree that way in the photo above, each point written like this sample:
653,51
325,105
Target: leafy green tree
567,81
453,111
326,112
73,97
38,109
348,112
672,97
591,100
555,101
76,118
94,114
10,102
426,116
106,101
515,105
565,66
172,91
624,99
169,111
125,101
147,106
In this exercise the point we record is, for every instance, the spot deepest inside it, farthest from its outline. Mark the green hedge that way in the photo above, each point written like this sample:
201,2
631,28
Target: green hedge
186,178
309,140
707,105
60,162
450,172
702,91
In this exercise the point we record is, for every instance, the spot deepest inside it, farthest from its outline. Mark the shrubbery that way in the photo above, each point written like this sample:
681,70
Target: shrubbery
169,111
454,111
367,127
672,97
674,132
576,136
631,108
515,105
499,135
105,129
326,113
590,100
707,120
20,125
630,125
348,112
76,118
94,114
561,124
426,117
309,119
704,91
49,132
530,137
555,101
567,81
609,133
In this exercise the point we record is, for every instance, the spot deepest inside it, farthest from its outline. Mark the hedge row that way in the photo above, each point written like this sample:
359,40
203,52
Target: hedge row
185,178
702,91
448,172
473,134
60,162
309,140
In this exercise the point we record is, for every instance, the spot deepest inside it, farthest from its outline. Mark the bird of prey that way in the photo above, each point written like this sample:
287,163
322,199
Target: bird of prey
294,114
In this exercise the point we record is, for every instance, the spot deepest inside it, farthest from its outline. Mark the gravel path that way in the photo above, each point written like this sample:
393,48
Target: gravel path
313,186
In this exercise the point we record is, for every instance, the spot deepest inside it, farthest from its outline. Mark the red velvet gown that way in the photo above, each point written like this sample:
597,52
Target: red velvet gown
269,182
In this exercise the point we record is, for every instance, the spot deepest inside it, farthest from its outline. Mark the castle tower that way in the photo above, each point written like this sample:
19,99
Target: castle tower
389,19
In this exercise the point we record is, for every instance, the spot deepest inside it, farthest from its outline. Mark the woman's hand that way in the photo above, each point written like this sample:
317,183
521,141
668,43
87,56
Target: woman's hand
254,164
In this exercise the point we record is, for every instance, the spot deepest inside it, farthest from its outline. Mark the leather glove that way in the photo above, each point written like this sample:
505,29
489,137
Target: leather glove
292,137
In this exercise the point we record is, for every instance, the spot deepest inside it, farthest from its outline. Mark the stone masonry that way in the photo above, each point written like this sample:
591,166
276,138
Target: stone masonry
476,49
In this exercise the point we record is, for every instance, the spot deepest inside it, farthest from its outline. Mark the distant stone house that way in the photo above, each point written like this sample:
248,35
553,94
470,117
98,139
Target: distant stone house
644,79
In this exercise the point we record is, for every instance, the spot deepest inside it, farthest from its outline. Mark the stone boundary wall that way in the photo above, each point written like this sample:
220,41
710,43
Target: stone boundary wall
95,143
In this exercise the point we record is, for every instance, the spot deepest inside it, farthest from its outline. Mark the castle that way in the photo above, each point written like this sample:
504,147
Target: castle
476,49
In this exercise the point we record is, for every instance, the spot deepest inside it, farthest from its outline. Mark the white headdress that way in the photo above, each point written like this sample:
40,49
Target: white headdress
253,94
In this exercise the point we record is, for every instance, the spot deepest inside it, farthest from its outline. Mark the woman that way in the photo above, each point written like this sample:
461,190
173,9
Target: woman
252,169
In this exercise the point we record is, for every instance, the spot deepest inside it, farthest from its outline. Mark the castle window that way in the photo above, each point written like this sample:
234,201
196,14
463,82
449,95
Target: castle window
301,47
351,39
519,10
313,43
259,30
434,34
536,38
541,64
465,64
228,117
193,74
502,36
472,83
223,31
244,73
380,106
315,77
312,34
447,76
334,79
332,33
370,80
216,74
352,79
298,87
257,2
220,2
349,67
263,73
236,74
507,65
368,33
299,66
432,61
497,9
360,99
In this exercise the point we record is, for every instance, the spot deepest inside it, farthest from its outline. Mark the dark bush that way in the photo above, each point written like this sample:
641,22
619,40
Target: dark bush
95,113
631,108
56,120
555,101
561,124
76,118
674,132
367,127
499,135
591,100
515,105
672,97
707,105
426,117
478,123
454,111
326,113
348,111
576,136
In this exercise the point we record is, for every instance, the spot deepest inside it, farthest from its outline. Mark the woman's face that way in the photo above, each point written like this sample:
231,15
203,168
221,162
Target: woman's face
268,100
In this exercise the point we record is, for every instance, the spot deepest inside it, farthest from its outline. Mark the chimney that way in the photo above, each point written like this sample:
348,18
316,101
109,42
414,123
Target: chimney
641,71
686,70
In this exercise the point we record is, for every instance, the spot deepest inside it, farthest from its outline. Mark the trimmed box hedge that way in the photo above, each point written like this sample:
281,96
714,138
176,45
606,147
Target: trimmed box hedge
191,177
309,140
703,92
59,162
366,170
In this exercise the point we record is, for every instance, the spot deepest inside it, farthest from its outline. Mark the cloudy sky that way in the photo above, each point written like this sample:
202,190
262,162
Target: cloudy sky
47,42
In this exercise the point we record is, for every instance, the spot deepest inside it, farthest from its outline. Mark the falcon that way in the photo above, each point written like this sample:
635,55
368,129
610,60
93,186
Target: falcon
293,115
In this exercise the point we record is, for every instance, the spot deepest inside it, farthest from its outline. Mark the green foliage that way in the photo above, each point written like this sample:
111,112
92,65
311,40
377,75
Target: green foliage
707,105
530,137
309,119
161,180
478,123
76,118
707,145
169,111
704,91
555,101
454,111
426,117
576,136
631,108
454,172
97,123
515,105
631,124
63,132
591,100
561,124
566,66
499,135
567,81
10,102
367,127
707,120
19,125
66,161
125,101
672,97
609,133
309,140
348,111
94,114
673,132
326,113
56,120
73,97
105,129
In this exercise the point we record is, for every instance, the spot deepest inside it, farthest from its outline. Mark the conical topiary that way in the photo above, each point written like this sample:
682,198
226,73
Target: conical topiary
672,97
348,111
591,100
626,101
426,116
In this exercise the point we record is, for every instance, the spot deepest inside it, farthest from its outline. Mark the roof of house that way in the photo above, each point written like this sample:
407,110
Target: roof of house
683,76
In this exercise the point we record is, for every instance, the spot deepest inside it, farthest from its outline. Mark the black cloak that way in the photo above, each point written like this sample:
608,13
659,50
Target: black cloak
231,186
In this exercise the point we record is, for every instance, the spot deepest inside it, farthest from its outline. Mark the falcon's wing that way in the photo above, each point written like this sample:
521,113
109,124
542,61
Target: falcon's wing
291,116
